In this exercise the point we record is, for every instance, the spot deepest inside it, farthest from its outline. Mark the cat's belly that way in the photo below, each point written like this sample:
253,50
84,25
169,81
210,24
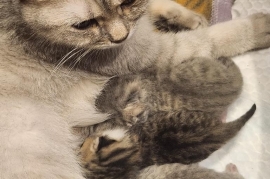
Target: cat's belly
35,141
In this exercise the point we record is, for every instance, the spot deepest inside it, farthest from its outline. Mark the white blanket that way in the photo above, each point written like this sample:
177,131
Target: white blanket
250,150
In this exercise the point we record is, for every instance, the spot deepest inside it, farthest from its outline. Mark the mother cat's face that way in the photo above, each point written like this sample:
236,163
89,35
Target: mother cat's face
83,23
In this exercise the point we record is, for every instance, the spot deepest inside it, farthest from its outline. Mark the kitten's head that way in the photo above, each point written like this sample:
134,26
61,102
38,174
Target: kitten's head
82,23
110,154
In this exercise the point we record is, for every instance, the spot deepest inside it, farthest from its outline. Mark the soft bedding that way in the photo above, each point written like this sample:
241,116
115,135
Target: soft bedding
214,10
250,150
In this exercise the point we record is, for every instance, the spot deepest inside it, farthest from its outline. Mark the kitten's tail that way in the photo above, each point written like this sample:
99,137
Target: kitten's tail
185,137
232,128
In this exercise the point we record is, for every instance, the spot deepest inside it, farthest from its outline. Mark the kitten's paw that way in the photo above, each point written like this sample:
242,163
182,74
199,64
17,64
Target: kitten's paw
261,25
91,143
174,17
134,112
231,168
88,149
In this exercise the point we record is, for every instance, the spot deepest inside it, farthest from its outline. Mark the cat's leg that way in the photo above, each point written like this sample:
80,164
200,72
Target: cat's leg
168,15
78,103
221,40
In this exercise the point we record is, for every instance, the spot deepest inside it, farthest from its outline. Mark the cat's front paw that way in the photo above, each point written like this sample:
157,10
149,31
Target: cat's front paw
174,17
175,22
261,25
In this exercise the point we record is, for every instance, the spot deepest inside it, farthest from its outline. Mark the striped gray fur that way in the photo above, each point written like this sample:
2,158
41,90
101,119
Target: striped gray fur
164,138
170,116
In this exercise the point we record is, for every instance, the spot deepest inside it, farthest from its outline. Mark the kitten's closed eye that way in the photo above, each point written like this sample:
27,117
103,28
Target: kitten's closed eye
85,24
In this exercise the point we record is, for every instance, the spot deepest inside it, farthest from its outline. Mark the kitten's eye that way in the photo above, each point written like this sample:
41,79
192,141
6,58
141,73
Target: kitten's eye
85,24
128,2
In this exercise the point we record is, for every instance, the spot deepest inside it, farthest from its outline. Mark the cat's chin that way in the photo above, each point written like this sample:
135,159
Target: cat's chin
110,46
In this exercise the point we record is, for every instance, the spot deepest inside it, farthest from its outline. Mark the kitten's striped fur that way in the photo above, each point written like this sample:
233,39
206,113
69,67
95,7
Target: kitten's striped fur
175,117
166,137
208,85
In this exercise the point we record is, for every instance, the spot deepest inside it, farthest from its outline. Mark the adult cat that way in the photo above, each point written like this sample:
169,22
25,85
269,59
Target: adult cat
40,103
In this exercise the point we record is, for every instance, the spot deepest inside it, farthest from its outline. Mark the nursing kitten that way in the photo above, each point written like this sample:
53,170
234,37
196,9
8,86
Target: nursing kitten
56,56
208,85
166,137
175,118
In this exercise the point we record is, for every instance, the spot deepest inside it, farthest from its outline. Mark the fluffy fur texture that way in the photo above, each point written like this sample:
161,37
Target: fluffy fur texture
43,91
189,171
175,118
182,137
208,85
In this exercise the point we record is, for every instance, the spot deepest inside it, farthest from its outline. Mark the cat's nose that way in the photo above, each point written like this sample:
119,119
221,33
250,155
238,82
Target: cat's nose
117,41
117,31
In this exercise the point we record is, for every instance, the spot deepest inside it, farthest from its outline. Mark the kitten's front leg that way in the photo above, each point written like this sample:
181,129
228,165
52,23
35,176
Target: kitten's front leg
225,39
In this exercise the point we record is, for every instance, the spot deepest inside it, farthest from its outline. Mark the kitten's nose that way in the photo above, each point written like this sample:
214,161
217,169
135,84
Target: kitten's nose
117,31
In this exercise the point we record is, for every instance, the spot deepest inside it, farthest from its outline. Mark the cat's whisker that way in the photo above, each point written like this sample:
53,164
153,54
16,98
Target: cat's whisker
65,59
79,59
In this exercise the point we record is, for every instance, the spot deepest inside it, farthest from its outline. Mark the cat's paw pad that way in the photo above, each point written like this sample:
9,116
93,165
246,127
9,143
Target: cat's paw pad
231,168
261,25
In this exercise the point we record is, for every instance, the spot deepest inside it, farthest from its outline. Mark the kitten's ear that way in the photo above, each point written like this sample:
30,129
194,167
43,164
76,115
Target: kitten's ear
104,142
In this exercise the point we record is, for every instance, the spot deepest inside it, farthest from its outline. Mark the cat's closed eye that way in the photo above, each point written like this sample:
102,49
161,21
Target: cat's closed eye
85,24
127,3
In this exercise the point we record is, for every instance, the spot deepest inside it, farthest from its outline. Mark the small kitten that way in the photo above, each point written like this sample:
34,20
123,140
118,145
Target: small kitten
166,137
208,85
173,120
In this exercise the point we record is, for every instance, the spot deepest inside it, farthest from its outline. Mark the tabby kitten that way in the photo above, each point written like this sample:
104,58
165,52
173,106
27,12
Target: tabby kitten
208,85
166,137
175,117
